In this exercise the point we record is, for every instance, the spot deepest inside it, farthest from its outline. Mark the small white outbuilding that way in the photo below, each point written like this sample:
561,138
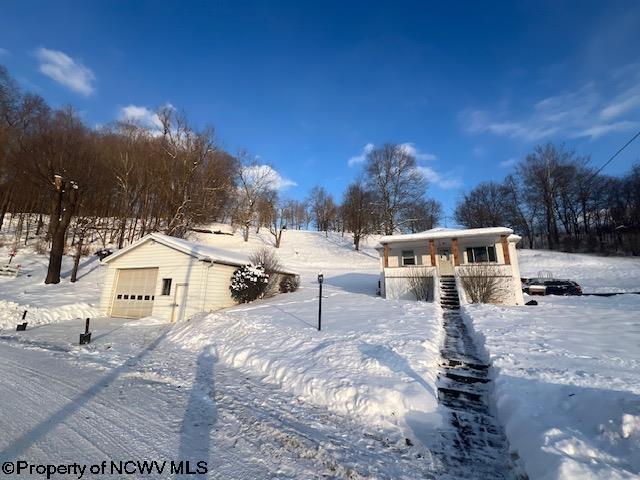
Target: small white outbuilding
168,278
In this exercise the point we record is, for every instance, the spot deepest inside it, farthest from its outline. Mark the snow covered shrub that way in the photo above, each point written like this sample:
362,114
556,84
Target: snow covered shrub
268,258
248,283
289,283
482,283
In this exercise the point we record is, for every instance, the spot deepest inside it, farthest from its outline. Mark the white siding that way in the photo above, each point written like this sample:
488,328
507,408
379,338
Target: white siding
396,283
181,268
217,293
421,253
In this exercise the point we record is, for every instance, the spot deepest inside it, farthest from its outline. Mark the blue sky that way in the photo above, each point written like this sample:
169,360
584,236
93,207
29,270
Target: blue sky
471,87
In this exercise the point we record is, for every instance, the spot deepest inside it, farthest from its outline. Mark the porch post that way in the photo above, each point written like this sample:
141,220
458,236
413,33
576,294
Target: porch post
456,254
386,255
505,249
432,251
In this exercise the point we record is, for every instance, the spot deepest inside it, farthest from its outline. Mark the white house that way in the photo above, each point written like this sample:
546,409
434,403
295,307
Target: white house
449,252
168,278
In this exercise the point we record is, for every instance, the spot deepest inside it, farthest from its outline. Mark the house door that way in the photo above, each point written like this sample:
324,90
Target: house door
445,265
180,302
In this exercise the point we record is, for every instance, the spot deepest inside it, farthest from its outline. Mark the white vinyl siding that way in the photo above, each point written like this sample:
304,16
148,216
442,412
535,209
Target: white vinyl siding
181,269
218,294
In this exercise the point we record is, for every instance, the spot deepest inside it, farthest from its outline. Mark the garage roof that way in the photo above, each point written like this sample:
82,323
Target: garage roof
197,250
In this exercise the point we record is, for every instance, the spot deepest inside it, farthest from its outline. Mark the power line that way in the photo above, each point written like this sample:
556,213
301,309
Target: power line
614,156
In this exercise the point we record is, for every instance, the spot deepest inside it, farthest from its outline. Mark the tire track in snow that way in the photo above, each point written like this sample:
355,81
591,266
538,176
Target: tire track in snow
260,430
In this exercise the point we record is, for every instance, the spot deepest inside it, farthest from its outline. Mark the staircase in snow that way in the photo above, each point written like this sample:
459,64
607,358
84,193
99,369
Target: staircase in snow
474,444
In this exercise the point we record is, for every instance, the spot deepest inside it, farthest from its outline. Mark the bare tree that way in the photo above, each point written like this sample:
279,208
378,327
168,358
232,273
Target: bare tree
543,172
81,228
356,212
64,202
323,208
393,175
484,206
422,215
254,181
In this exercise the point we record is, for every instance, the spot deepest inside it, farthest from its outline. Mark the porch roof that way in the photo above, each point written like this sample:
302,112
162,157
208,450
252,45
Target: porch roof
450,233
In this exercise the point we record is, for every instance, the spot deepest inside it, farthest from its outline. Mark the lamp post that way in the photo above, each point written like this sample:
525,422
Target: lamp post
320,280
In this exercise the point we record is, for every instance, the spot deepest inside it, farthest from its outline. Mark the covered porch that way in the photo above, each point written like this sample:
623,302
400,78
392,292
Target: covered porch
444,254
447,252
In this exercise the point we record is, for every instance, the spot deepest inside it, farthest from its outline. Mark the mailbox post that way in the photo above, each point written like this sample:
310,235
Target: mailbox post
320,280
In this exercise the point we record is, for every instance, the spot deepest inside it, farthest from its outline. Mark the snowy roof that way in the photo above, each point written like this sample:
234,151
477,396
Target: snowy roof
438,233
197,250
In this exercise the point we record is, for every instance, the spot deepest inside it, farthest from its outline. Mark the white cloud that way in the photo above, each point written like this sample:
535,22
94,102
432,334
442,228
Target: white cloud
443,181
141,116
600,130
359,159
509,162
257,172
586,112
411,149
65,70
620,107
408,147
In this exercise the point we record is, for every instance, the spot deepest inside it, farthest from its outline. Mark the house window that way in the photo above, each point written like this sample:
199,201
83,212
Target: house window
166,286
481,254
408,258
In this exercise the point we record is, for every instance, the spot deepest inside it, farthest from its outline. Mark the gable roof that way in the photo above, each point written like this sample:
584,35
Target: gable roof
439,233
193,249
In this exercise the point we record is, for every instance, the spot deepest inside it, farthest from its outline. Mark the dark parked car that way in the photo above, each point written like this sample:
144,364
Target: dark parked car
550,286
103,253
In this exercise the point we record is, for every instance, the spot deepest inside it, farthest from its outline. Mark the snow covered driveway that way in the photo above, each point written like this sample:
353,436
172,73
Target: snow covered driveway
133,394
568,383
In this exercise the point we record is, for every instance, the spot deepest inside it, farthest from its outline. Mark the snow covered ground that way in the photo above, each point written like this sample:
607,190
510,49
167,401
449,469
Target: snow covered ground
258,392
255,390
594,273
47,303
567,382
135,394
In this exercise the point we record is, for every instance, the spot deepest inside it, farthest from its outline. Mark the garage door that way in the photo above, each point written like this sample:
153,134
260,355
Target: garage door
135,292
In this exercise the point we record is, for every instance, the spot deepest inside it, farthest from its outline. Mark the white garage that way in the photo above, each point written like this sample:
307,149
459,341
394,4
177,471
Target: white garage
168,278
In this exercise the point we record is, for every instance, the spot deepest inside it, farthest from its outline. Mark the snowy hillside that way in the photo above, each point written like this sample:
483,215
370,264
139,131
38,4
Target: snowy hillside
356,400
567,383
362,388
596,274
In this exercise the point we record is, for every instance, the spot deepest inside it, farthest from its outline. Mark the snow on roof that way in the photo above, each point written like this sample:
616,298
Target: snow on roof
436,233
197,250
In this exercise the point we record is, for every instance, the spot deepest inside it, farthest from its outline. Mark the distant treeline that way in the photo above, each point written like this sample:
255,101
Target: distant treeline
63,182
556,200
